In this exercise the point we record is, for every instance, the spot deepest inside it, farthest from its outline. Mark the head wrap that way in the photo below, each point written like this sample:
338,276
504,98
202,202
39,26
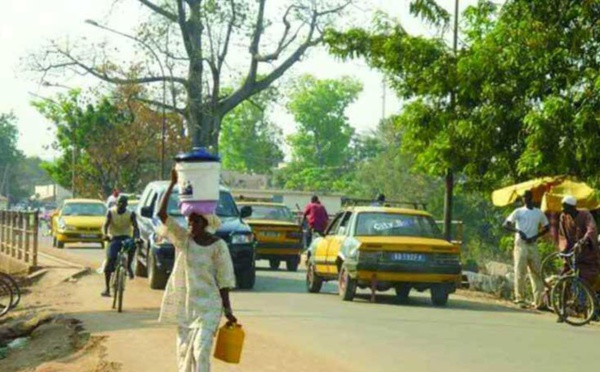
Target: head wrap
569,200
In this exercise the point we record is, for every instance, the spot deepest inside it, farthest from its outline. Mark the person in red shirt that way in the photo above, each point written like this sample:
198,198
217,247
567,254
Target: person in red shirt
316,216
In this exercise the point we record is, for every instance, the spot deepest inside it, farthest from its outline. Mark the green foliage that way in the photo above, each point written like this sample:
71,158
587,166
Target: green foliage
107,141
525,85
322,147
318,107
10,157
249,141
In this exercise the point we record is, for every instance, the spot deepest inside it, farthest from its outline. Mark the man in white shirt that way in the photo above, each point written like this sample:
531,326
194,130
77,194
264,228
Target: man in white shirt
525,222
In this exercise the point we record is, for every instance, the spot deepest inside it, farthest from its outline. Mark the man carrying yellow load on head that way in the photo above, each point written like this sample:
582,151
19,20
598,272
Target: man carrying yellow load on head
525,222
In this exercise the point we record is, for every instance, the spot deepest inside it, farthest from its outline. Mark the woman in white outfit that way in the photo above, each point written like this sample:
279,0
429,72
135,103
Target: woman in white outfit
197,294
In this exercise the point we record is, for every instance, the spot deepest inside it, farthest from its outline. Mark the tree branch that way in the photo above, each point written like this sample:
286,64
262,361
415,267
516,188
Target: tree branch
258,31
115,80
223,52
161,105
165,13
183,26
251,87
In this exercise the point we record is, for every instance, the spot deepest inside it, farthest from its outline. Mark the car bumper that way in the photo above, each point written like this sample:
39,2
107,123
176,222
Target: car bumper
77,237
407,272
278,250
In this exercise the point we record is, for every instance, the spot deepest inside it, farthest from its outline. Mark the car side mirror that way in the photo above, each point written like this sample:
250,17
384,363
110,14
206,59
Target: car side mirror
246,211
146,212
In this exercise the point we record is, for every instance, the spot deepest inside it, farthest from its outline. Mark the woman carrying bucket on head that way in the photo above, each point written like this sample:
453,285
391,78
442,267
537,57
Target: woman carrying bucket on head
197,294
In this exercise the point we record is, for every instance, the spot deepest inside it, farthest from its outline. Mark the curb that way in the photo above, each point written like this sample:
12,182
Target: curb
81,273
35,276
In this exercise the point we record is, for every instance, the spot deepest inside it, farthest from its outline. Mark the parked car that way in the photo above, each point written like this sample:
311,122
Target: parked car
155,260
384,248
278,235
78,221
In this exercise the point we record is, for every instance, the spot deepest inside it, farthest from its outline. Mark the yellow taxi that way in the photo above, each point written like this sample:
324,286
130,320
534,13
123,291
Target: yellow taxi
79,221
381,248
278,235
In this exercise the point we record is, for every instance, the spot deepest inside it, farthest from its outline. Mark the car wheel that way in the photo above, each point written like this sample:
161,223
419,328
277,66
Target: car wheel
314,282
60,244
156,277
346,285
53,242
402,292
439,295
292,264
274,264
139,269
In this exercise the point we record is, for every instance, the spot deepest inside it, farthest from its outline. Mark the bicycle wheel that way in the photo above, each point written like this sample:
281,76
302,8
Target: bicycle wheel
114,286
575,301
120,287
6,297
552,268
14,286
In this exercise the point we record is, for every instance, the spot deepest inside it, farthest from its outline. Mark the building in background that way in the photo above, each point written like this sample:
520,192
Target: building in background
51,194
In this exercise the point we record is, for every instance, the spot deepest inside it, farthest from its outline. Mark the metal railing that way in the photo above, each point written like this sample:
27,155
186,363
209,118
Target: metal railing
19,236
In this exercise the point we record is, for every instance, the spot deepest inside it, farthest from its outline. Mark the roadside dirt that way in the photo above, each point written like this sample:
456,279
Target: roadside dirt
53,342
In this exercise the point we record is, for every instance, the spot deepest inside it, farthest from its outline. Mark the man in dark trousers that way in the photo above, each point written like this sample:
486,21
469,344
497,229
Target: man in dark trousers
316,216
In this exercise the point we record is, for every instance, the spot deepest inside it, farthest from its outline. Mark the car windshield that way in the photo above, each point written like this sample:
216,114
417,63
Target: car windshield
271,212
225,208
84,209
395,224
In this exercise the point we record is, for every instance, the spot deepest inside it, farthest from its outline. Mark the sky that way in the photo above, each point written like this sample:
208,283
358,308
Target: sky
26,26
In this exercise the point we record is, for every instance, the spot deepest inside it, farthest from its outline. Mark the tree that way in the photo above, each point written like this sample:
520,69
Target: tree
192,42
524,87
107,141
10,156
250,142
320,148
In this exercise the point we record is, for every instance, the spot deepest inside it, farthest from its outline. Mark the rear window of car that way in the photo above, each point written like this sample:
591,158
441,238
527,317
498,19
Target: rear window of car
84,209
271,212
395,224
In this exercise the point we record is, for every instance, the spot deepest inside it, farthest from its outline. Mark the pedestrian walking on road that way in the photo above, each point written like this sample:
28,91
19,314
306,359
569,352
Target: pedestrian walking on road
316,216
112,199
528,223
197,294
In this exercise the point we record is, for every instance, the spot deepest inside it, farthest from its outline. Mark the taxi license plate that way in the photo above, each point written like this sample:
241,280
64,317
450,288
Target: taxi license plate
412,257
89,235
270,234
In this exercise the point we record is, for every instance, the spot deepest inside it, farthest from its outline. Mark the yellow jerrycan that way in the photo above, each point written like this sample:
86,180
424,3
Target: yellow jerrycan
230,342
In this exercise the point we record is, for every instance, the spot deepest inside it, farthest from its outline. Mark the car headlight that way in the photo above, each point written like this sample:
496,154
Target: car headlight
61,224
241,238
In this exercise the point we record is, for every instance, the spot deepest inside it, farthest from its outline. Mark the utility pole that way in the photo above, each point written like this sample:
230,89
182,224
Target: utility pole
383,94
449,179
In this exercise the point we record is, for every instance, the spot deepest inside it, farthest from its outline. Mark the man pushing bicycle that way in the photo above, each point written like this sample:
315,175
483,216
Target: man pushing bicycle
119,225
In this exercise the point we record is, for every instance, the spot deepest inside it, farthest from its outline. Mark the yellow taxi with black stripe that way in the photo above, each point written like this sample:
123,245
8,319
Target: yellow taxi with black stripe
381,248
278,235
79,221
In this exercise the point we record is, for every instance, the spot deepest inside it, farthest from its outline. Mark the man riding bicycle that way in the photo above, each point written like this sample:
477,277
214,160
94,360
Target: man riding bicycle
578,228
118,227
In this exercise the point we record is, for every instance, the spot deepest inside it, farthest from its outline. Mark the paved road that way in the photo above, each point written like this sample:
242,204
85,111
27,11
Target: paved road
387,336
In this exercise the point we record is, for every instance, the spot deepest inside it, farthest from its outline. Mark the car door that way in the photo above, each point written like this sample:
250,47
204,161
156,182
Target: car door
323,244
337,239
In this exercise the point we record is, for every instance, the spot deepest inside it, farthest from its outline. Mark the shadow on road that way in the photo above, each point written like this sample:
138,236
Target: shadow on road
111,320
